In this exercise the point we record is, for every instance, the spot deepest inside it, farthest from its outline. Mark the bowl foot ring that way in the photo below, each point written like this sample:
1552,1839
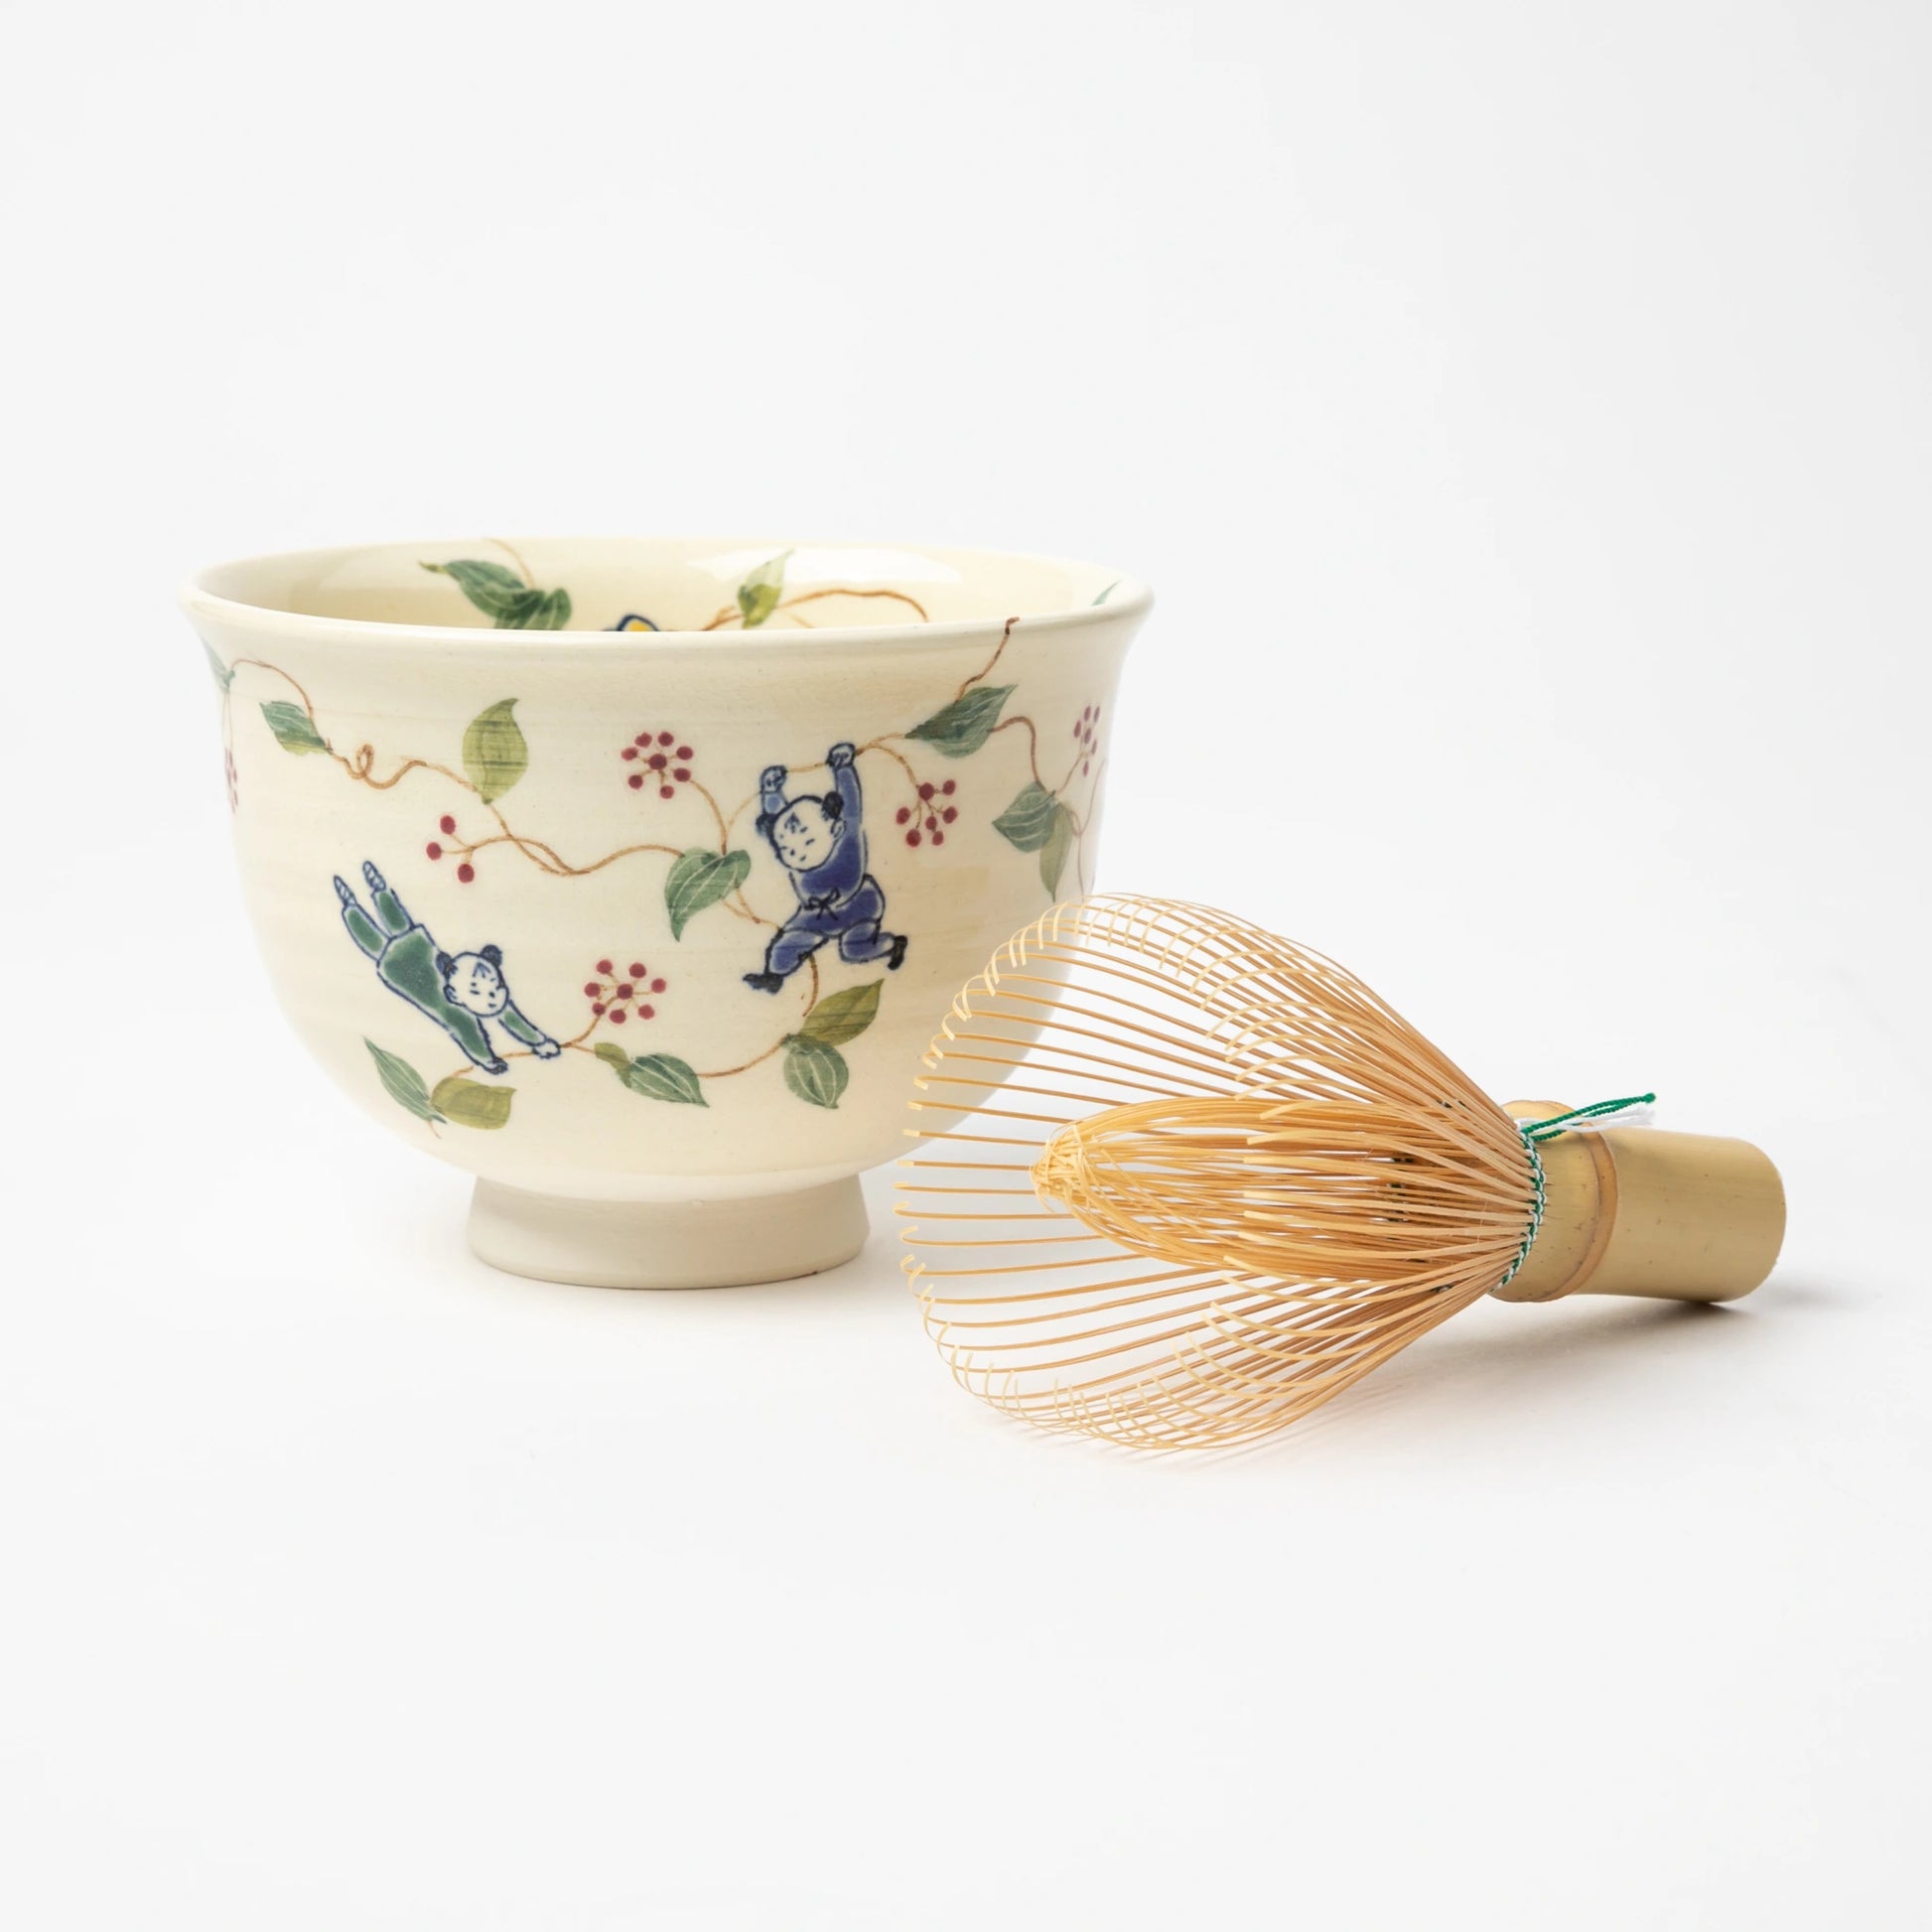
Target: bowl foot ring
668,1244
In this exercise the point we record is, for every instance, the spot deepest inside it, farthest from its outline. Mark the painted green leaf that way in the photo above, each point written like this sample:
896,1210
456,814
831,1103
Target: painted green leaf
699,878
657,1076
223,676
815,1071
295,731
1108,592
843,1016
403,1084
535,611
758,595
504,596
1029,822
489,587
472,1104
663,1076
1054,851
519,609
495,752
962,726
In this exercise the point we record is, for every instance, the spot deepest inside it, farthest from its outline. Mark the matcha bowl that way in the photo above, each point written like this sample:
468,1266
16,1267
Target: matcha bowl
633,876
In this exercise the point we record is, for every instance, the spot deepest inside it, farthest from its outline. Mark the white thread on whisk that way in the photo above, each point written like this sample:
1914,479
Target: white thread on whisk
1637,1116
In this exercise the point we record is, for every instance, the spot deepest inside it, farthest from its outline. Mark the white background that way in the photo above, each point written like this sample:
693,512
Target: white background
1523,413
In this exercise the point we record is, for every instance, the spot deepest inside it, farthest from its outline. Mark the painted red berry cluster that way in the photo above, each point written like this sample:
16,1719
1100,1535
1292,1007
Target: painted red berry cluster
1085,731
616,995
930,818
436,849
660,761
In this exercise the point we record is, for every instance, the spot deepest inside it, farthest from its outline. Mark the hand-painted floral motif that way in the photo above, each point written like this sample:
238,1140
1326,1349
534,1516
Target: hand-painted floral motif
467,1102
659,762
509,601
817,833
619,991
1085,729
512,601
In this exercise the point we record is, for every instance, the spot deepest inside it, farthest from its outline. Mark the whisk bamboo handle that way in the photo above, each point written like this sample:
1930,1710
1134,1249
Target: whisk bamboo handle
1679,1217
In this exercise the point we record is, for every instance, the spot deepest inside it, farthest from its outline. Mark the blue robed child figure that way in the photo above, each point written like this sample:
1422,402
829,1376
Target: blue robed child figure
821,843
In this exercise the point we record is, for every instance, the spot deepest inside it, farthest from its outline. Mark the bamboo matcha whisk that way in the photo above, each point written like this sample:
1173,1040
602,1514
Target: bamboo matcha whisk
1182,1181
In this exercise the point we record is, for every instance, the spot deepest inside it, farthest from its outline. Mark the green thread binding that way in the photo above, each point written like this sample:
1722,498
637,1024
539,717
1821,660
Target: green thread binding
1535,1130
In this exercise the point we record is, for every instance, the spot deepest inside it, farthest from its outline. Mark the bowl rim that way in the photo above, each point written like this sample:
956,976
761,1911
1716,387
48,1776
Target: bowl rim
1125,596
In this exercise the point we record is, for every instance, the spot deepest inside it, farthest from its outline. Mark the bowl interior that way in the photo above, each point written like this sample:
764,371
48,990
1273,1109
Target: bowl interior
660,584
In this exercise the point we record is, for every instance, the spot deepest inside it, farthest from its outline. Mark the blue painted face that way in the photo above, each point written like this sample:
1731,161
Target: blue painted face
803,835
474,982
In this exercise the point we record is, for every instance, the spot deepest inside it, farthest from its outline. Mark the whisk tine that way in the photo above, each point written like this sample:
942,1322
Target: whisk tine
1251,1182
1229,1180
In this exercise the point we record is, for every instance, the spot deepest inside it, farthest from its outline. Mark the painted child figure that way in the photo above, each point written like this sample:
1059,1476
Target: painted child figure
459,991
821,843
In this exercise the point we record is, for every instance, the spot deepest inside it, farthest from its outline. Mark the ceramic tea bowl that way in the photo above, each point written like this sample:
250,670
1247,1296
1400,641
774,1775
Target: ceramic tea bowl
635,876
